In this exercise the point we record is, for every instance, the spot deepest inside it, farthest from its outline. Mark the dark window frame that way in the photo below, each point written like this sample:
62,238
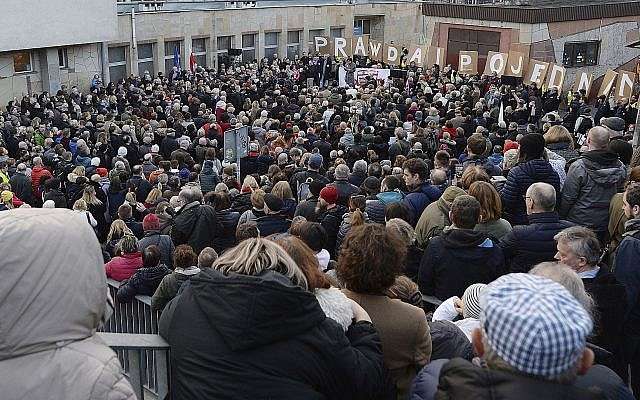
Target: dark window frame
576,54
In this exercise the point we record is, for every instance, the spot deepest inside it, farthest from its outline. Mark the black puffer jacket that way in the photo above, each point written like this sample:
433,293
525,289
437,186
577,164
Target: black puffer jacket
144,282
241,202
518,181
208,177
226,237
196,225
457,259
528,245
260,337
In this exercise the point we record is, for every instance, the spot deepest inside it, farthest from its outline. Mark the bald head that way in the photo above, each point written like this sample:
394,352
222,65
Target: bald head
598,138
541,197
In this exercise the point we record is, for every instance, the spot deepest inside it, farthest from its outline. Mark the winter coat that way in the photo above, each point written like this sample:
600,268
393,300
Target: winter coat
144,282
486,164
518,181
459,379
242,202
36,175
226,331
345,191
457,259
403,330
591,182
169,286
289,207
448,341
375,209
163,242
528,245
302,177
196,225
58,198
273,223
141,186
494,229
345,227
432,222
564,151
135,226
226,237
47,352
123,267
627,272
330,221
419,199
209,178
250,216
21,187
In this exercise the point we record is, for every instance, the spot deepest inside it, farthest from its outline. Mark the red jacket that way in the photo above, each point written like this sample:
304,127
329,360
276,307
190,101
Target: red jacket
121,268
36,174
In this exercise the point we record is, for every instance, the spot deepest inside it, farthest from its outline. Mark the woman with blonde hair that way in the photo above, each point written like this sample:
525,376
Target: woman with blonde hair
242,202
129,259
80,206
283,191
491,222
560,141
152,198
117,231
251,314
257,208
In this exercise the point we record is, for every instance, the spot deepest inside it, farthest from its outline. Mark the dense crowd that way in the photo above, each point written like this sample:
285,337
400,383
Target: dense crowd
432,236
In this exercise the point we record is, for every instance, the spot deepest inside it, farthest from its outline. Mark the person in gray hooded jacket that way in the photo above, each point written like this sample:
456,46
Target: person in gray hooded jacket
591,182
51,303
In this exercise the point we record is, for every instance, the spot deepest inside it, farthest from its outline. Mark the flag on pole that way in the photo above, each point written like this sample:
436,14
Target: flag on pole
176,57
501,114
193,64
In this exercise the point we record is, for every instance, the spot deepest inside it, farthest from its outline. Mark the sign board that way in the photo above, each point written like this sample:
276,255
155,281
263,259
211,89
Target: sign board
377,73
236,144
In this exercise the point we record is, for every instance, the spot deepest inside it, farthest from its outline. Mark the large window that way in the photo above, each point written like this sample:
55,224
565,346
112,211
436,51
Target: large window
471,40
361,27
117,63
337,32
581,54
224,43
293,43
145,58
170,48
249,47
22,62
270,44
63,57
199,49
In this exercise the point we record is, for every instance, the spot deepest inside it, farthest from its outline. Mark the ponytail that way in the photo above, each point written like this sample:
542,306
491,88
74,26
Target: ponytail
357,218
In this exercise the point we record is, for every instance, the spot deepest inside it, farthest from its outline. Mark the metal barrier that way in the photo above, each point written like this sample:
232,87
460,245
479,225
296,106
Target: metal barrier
135,348
136,317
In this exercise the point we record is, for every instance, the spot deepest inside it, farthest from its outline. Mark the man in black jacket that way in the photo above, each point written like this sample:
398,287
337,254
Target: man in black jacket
273,221
311,174
460,256
329,213
344,188
528,245
140,185
21,184
195,223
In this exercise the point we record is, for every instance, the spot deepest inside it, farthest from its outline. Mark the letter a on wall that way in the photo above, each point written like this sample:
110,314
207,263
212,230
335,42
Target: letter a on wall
607,83
416,55
360,45
624,85
468,62
496,63
536,72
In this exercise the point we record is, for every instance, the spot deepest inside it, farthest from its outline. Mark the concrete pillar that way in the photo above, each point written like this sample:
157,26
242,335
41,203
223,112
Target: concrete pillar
50,69
211,51
104,59
186,52
158,56
133,59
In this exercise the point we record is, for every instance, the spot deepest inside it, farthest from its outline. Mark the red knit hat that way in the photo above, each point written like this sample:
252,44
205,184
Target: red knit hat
151,222
329,194
510,144
102,172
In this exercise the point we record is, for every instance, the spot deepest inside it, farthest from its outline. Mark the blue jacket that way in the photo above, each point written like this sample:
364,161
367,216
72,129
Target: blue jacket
518,181
419,199
375,208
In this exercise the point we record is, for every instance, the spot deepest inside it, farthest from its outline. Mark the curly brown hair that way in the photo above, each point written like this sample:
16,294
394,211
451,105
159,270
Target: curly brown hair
184,257
371,258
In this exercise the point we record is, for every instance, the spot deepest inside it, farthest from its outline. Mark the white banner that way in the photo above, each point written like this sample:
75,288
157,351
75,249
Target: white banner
378,73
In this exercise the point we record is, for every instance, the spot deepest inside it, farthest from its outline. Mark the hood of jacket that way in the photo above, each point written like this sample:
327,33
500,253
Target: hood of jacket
389,197
252,311
604,167
465,238
54,293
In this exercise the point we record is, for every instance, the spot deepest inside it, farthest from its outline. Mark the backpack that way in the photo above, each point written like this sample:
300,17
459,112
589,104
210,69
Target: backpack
303,190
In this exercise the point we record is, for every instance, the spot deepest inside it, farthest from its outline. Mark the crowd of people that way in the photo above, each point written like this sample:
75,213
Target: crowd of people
433,236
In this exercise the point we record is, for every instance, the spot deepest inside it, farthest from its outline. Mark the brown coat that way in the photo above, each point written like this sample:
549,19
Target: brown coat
403,330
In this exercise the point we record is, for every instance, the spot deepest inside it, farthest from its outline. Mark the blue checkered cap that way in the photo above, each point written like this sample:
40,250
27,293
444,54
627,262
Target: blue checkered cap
534,324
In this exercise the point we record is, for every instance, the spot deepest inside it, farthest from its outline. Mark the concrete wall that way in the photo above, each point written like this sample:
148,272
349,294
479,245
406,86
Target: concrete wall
31,24
84,63
401,23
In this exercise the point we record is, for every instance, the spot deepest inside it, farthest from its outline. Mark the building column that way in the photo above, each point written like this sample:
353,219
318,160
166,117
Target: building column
104,59
50,70
187,52
133,59
160,55
212,49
